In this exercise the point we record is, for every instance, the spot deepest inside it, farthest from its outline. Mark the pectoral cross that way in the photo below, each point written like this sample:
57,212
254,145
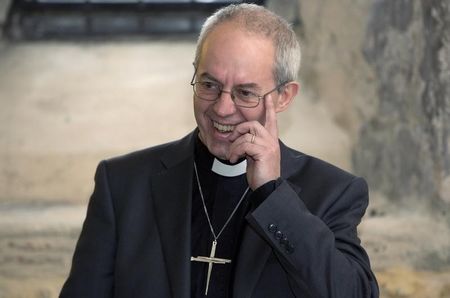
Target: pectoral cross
211,260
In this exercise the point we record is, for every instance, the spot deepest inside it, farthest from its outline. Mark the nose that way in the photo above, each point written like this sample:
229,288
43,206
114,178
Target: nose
224,105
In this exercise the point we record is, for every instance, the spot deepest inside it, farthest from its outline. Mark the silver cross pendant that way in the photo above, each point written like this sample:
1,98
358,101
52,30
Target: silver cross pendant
210,260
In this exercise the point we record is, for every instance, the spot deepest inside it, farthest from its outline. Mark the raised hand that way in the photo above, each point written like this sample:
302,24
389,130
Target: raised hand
259,144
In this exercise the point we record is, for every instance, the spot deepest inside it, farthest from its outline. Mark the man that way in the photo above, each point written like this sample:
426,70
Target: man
227,211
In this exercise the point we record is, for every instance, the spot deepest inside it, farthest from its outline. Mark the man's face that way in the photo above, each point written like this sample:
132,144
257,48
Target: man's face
232,58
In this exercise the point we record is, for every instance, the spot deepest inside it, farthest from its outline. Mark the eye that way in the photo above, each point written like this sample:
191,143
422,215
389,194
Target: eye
244,94
209,85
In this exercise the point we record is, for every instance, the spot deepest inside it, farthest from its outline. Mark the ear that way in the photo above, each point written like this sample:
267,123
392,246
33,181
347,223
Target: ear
286,96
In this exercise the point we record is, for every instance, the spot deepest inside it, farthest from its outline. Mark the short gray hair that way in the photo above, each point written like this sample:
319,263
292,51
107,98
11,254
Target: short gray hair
259,20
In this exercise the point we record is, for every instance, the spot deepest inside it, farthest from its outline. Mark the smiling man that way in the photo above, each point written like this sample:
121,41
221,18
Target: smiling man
229,210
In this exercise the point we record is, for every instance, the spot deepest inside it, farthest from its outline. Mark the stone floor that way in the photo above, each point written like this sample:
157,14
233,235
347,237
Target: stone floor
66,106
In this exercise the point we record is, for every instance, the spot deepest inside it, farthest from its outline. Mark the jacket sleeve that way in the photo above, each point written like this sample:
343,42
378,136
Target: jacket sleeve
319,250
92,269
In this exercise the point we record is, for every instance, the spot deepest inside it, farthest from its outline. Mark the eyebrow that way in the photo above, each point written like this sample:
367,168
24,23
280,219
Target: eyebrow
208,76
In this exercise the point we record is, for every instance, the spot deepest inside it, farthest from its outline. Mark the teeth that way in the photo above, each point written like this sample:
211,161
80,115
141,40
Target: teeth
223,127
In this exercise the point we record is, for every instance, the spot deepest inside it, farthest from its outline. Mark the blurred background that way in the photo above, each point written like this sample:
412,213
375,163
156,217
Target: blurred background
85,80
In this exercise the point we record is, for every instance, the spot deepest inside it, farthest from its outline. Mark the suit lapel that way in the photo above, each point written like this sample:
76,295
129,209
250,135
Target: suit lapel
172,197
254,250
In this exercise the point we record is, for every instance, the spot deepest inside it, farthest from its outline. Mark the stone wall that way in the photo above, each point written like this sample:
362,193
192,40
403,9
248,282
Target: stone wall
404,148
382,68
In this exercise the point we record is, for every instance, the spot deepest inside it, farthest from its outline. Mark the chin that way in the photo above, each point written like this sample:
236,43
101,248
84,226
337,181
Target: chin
218,151
216,147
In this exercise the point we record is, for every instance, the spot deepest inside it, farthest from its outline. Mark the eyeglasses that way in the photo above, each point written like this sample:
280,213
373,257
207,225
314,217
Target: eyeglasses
211,91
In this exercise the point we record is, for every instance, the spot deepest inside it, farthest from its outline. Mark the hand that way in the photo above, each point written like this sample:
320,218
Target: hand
263,154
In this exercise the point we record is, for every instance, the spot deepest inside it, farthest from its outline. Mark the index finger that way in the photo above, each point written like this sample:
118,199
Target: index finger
271,117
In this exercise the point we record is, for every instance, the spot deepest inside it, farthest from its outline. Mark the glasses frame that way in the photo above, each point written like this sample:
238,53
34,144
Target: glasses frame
260,97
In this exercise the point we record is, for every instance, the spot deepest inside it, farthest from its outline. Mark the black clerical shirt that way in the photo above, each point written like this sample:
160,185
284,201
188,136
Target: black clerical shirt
221,195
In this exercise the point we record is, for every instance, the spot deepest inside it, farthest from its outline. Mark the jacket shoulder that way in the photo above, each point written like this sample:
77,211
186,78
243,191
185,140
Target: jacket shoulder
150,160
313,167
320,184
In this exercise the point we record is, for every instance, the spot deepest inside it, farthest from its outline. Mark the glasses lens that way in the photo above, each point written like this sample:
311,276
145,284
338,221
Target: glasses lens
245,98
206,90
211,91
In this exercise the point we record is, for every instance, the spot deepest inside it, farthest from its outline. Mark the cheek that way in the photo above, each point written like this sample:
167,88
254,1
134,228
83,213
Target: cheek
255,114
200,106
200,110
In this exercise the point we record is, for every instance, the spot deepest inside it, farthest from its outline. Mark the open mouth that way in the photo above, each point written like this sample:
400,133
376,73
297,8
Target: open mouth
223,127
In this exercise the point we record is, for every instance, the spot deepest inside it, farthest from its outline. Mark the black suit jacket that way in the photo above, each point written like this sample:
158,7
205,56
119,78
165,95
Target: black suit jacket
135,241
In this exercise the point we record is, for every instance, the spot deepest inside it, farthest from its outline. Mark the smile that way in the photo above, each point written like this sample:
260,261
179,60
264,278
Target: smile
223,127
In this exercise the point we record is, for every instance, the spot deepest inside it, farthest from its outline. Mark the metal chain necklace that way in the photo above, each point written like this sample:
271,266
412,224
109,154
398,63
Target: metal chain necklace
212,259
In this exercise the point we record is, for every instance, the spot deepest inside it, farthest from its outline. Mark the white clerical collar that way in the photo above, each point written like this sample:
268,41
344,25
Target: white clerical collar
222,169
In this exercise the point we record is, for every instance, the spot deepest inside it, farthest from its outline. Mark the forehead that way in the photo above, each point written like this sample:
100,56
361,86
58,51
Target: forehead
229,50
